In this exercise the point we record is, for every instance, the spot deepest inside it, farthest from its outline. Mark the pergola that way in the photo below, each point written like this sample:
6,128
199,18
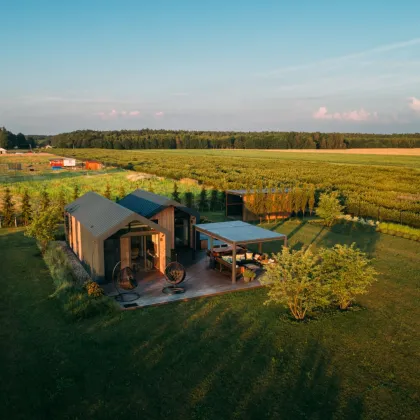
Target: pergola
238,233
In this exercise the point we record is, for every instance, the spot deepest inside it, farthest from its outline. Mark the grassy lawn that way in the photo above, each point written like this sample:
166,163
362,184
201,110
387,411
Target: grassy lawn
227,357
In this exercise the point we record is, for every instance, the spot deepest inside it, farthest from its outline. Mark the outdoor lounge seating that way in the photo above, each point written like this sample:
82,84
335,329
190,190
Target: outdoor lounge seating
236,235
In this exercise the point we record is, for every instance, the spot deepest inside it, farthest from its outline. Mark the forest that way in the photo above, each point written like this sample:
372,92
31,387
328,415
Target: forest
169,139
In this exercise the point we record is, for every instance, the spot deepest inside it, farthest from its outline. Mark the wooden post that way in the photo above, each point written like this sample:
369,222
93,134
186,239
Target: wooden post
260,247
125,244
211,244
233,263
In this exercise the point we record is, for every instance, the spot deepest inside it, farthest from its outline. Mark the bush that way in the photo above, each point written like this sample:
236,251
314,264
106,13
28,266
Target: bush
93,289
394,229
78,302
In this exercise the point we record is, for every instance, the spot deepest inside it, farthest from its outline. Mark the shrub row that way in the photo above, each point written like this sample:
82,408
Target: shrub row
76,301
406,232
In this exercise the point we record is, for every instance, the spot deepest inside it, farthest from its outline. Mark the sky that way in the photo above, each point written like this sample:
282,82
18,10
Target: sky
210,65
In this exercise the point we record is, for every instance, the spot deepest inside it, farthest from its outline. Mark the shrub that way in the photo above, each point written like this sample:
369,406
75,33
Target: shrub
249,275
76,300
294,282
93,289
394,229
329,208
347,272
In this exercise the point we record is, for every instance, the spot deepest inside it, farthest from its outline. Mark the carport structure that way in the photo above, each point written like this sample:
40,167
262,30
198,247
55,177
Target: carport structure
236,233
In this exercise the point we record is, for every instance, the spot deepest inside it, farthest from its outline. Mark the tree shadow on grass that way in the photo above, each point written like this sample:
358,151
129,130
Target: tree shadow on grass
216,361
365,237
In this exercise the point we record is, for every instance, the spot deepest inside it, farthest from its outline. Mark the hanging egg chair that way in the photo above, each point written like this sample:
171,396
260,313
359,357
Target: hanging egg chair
174,274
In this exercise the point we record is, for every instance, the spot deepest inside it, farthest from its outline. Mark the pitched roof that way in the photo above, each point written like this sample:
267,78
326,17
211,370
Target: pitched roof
148,204
101,216
239,232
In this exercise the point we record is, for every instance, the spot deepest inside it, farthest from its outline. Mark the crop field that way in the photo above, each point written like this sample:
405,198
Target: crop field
377,186
226,357
120,182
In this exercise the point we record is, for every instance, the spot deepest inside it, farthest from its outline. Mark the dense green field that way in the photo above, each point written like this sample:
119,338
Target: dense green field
120,182
377,186
226,357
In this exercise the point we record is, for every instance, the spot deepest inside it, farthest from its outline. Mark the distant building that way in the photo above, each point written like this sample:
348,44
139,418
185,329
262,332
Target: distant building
69,162
3,151
93,165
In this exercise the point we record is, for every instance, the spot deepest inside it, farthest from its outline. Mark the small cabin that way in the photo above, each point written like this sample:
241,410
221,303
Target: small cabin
3,151
240,205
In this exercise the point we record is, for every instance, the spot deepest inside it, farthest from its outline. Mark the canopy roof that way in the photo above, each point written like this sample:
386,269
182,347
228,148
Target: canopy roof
237,232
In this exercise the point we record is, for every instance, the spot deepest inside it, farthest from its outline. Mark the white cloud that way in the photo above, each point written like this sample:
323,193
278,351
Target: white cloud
360,115
414,104
116,114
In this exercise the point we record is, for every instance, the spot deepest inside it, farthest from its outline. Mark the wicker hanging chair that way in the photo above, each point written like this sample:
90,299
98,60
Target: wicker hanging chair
174,274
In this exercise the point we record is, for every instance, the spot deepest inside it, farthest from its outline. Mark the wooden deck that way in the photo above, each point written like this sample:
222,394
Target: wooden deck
200,281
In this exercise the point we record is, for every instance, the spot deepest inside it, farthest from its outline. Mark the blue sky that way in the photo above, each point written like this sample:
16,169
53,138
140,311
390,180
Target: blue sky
217,65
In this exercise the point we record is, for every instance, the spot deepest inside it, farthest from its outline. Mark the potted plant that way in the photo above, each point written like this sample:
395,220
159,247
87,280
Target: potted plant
249,275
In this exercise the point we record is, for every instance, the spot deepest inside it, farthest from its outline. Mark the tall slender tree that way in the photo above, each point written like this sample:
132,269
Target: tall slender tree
26,209
304,201
44,200
107,193
8,209
213,199
76,192
202,202
175,193
311,199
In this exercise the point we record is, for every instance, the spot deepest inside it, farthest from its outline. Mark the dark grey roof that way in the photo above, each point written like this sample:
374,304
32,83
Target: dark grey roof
148,204
98,214
239,232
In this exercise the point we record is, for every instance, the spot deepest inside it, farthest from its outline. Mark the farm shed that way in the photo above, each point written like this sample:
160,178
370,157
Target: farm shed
93,165
68,162
170,214
3,151
56,163
103,233
239,205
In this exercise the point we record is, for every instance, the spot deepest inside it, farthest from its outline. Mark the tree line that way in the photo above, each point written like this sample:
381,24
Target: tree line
171,139
8,140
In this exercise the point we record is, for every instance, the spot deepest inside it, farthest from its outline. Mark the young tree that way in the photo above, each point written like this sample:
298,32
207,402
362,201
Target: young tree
329,208
188,199
8,209
311,199
213,199
202,202
304,201
348,273
26,210
44,200
44,226
297,203
222,199
61,202
107,193
121,191
175,193
76,192
294,282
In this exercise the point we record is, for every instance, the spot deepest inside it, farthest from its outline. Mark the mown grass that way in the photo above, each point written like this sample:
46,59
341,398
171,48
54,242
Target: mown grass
226,357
